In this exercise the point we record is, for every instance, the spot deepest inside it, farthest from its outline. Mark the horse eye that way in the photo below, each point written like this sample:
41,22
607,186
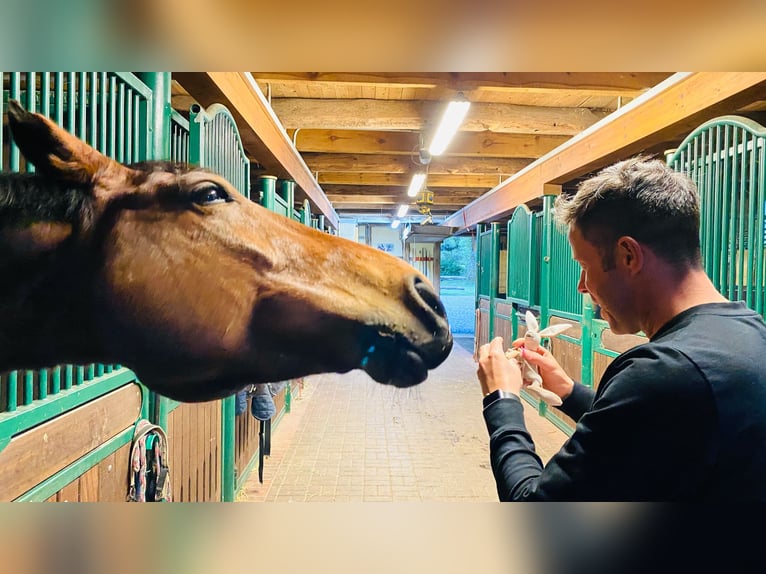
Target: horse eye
209,195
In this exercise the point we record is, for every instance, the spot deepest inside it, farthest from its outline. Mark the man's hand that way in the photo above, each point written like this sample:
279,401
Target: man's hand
495,370
554,377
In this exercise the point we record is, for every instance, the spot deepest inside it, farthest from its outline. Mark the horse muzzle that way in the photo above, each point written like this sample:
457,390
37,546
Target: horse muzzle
404,360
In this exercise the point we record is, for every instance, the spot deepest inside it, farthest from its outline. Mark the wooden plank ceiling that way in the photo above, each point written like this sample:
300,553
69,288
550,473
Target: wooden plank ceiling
360,133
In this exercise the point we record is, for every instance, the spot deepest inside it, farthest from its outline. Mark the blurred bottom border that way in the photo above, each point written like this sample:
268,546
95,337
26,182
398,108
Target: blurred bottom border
374,537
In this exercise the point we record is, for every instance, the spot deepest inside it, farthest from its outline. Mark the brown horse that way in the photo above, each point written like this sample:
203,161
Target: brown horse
168,270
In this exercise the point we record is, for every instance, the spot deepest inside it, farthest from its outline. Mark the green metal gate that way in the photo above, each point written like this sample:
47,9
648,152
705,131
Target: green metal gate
521,254
726,158
565,300
216,145
179,138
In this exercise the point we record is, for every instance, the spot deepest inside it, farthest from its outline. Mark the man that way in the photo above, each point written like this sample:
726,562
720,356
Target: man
682,417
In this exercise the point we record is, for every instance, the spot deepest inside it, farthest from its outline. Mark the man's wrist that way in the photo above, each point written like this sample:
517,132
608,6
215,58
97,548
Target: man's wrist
568,394
497,395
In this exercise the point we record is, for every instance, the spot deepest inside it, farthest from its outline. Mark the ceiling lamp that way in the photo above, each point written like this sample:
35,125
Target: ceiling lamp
402,210
450,122
418,179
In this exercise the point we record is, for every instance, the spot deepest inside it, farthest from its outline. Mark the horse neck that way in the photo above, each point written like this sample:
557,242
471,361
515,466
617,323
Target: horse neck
40,294
44,321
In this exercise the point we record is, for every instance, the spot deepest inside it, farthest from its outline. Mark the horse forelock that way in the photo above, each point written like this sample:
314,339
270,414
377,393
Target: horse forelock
144,169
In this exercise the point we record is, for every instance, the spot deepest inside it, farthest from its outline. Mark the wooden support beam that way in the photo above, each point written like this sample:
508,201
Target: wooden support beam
474,144
588,83
343,162
358,114
664,114
403,180
491,144
262,135
393,190
440,198
392,208
355,141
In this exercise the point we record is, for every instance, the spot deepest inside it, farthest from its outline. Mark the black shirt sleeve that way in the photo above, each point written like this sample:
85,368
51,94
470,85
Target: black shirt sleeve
578,402
644,437
512,452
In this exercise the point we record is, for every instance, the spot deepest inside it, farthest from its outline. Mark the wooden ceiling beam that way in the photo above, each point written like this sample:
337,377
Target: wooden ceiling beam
476,144
336,114
491,144
262,135
403,180
362,190
355,141
338,200
588,83
392,208
666,113
323,163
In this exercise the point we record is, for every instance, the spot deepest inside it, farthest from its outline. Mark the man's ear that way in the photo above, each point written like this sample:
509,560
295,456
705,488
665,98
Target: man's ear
54,151
630,254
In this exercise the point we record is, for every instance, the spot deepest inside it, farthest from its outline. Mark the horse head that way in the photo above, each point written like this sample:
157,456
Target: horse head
168,270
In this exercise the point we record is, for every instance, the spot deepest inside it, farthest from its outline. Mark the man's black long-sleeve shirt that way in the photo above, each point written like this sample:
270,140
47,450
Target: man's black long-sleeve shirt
682,417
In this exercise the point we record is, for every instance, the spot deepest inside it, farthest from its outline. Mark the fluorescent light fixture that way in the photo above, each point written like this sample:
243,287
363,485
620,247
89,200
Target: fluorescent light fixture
451,120
402,210
395,223
416,184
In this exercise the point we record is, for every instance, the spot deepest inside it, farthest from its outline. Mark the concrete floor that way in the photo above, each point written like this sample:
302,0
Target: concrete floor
350,439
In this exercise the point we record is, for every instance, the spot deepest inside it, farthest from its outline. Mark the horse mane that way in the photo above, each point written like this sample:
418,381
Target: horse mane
28,197
163,165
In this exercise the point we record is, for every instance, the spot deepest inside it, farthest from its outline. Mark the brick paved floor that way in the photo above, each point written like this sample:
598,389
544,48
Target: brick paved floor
348,438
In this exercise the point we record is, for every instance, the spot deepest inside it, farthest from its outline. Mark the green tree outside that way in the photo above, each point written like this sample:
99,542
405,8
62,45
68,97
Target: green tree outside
458,257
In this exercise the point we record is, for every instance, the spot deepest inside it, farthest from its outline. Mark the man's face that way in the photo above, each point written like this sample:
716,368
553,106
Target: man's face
611,289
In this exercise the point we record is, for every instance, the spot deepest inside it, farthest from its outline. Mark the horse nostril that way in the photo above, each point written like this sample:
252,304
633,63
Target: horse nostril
437,344
427,297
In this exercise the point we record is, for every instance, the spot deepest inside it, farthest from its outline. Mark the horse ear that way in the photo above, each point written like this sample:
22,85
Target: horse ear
54,151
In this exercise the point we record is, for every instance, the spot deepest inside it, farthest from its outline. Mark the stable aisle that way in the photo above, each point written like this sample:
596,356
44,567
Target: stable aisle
350,439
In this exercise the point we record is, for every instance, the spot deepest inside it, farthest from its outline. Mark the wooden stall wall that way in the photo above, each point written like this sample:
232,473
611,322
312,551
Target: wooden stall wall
503,318
105,482
195,444
33,459
482,332
568,352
